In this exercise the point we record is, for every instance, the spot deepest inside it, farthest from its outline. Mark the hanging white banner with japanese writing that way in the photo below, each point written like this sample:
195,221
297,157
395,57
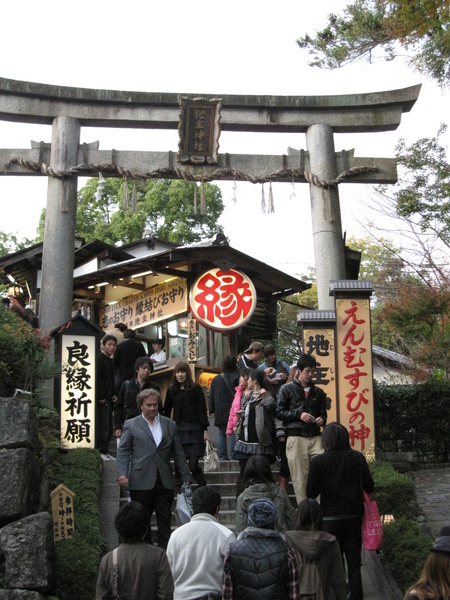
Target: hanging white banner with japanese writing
78,391
223,300
354,355
156,304
319,342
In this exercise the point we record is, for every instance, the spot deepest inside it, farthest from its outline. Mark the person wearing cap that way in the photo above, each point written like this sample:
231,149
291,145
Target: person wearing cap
251,356
434,581
29,316
260,565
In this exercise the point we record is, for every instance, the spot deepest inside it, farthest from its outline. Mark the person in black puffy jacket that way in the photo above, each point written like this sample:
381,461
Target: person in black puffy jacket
260,565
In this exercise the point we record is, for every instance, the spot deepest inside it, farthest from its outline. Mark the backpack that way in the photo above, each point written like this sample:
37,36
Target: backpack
308,575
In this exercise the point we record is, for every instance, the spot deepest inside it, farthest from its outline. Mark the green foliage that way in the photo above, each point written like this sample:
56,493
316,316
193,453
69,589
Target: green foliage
394,491
421,27
170,209
163,207
77,559
351,37
405,550
23,351
419,321
49,427
381,263
414,418
413,285
9,243
425,186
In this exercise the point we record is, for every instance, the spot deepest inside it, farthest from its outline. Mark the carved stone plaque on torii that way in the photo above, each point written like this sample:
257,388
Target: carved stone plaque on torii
199,120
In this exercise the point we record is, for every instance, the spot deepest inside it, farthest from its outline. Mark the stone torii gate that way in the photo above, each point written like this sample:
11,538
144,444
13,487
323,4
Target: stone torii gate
68,109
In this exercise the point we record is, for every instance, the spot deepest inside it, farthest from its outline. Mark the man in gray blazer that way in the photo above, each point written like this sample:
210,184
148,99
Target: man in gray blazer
143,462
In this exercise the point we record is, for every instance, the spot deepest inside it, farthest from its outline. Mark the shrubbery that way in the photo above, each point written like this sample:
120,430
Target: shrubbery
414,418
394,491
77,559
405,550
22,353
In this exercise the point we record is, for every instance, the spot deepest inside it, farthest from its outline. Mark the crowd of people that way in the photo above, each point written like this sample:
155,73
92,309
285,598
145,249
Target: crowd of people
262,412
27,314
123,370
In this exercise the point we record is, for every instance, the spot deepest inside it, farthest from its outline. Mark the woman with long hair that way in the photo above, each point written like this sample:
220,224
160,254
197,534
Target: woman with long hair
314,544
434,581
257,414
186,399
259,482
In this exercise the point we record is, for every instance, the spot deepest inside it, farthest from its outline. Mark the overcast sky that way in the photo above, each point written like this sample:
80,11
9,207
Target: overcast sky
200,47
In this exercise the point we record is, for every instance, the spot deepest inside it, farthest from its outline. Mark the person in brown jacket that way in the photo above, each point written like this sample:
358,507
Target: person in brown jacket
143,570
319,546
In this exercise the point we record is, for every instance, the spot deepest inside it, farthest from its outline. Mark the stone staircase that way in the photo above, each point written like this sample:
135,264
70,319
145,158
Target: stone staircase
377,581
224,480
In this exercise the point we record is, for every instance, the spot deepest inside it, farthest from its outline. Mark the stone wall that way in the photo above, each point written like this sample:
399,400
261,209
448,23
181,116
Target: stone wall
26,534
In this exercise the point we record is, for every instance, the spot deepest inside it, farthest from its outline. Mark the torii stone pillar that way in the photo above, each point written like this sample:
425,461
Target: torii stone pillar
60,215
325,213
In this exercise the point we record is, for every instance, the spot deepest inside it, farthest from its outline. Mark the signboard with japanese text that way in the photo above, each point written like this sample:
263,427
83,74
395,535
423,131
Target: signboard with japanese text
156,304
354,363
78,391
320,342
192,340
199,130
223,300
62,513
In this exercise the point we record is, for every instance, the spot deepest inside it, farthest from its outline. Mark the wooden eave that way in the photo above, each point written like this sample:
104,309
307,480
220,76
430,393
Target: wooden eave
267,280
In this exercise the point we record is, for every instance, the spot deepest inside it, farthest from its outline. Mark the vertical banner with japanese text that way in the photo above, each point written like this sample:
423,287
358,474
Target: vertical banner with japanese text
78,391
192,340
354,362
319,342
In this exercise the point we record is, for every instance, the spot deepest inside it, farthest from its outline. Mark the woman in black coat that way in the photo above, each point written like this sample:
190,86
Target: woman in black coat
186,399
221,395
